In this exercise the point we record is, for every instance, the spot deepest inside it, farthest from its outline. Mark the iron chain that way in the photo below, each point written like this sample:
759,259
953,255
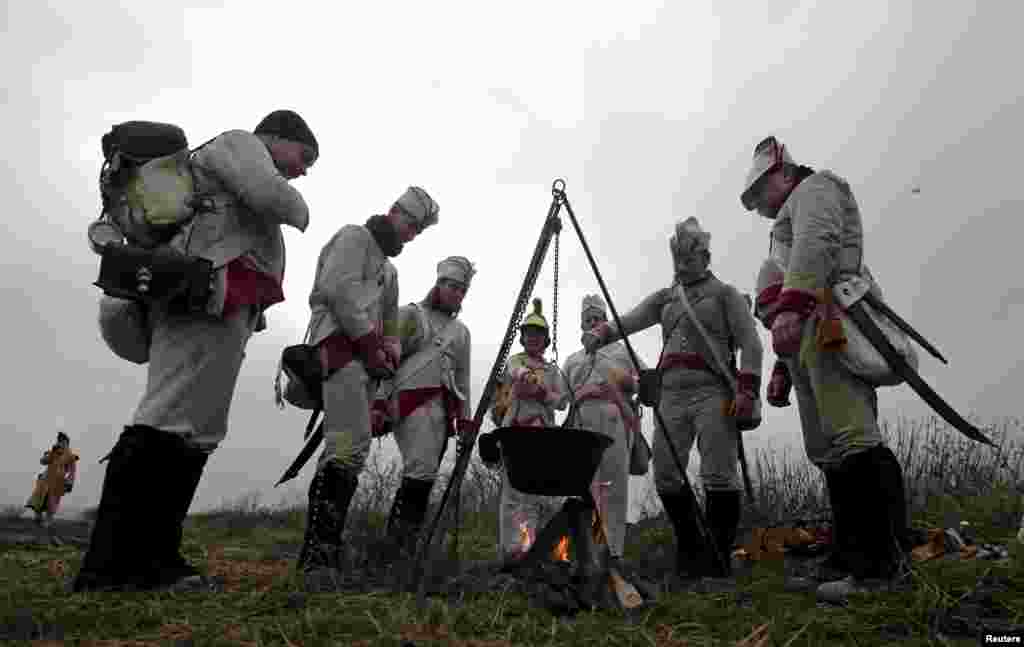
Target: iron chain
554,318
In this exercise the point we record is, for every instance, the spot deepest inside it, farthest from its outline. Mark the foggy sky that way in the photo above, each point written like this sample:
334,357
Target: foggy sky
649,112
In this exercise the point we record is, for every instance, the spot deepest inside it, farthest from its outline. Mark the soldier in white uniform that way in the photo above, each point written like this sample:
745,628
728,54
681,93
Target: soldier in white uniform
696,402
430,392
817,241
194,358
354,322
532,390
603,383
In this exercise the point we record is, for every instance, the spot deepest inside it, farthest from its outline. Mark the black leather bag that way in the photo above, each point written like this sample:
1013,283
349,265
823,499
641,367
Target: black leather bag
158,275
305,388
649,382
649,387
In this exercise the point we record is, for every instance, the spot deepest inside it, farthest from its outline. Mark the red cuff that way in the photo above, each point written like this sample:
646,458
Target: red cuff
749,382
798,301
768,296
368,345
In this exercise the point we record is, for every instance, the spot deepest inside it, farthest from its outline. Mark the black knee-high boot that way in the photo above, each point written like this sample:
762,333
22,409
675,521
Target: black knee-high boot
117,558
836,565
691,551
875,515
184,475
891,489
408,513
724,509
330,494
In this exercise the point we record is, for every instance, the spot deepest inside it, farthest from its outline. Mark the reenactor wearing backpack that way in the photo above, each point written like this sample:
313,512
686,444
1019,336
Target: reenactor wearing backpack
354,323
194,357
603,383
429,394
532,389
817,241
696,401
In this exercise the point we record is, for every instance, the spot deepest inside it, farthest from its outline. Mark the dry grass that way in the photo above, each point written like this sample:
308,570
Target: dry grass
262,604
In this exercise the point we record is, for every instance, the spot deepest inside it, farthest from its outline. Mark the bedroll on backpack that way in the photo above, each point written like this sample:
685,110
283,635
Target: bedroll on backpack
146,185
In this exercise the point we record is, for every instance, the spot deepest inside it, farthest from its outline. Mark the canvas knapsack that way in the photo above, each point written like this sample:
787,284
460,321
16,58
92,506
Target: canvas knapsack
146,184
149,192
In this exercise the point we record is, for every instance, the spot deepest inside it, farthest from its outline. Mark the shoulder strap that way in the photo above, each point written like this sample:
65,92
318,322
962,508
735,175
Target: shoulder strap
717,365
423,320
425,357
728,326
671,330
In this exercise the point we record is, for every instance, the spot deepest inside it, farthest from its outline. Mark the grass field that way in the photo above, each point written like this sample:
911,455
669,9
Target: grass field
249,547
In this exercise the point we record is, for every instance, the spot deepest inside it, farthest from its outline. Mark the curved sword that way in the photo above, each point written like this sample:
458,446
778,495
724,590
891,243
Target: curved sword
884,309
312,442
863,321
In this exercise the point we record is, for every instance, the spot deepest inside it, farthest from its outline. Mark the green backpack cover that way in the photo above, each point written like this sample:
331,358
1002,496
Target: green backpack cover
147,185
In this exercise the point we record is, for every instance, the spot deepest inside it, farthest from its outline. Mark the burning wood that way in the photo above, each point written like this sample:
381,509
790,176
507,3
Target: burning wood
561,551
576,540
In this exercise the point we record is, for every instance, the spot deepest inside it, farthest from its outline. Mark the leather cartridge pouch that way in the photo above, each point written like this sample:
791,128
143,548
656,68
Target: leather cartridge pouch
649,387
301,363
639,455
158,275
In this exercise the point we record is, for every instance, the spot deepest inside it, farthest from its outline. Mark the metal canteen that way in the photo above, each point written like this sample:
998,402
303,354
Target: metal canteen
101,233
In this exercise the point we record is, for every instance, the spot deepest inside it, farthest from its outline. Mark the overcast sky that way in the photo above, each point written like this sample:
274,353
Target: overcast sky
649,112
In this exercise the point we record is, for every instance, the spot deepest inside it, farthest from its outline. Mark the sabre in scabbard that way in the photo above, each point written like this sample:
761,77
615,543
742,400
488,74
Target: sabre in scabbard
312,442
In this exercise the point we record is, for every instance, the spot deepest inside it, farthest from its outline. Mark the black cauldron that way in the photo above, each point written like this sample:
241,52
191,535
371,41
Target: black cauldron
551,461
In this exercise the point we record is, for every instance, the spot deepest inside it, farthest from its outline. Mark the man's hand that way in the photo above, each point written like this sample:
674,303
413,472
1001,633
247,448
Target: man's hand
748,388
603,391
371,349
464,429
379,366
382,412
787,332
596,337
392,347
623,379
526,391
743,405
779,386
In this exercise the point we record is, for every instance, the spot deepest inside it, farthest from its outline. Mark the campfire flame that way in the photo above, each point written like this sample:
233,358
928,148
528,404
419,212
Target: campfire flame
561,551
